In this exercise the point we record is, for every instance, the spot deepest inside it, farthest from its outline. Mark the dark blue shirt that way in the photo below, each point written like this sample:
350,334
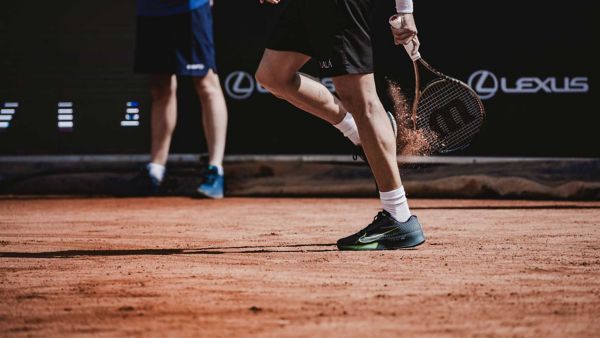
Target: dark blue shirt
167,7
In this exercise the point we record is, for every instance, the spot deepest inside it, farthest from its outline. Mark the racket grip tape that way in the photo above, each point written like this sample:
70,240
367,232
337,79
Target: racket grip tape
397,22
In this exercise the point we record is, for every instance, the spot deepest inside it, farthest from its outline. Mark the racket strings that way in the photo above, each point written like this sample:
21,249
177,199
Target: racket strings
449,114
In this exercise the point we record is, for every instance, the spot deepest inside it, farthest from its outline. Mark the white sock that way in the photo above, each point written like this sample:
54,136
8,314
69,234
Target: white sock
156,170
396,204
219,169
349,129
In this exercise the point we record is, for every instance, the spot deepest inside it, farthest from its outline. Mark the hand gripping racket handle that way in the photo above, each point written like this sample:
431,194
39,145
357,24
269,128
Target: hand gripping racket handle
397,22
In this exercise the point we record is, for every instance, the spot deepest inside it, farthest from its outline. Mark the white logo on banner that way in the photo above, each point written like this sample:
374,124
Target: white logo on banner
487,85
239,85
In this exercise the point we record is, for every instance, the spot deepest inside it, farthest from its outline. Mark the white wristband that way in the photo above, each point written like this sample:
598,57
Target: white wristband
404,6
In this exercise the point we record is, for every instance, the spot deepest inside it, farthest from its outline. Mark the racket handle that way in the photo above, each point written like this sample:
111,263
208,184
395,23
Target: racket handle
413,52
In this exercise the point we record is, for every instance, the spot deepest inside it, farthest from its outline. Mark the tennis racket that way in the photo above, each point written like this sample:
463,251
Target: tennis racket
446,111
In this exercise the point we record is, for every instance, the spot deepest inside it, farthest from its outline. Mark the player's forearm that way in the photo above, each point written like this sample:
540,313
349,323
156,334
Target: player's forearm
404,6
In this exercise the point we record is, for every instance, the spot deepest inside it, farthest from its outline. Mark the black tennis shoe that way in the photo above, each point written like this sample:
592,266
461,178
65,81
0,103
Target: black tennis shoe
385,233
143,184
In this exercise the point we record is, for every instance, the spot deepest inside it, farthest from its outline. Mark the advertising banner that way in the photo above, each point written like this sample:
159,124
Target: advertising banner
67,84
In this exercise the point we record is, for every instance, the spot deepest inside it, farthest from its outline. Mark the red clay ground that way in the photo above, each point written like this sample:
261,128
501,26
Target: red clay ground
266,267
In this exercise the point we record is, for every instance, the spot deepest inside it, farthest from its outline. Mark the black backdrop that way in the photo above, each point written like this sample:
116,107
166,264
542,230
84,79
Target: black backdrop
535,63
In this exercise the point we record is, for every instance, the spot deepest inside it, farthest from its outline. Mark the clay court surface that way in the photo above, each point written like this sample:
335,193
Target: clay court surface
268,267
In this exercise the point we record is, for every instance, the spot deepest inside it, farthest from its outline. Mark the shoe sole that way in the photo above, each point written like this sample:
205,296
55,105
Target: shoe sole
410,240
200,194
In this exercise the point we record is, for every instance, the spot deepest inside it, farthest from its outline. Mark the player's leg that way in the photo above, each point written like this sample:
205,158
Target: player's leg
197,48
358,93
287,51
163,89
214,120
394,227
278,72
214,115
153,57
149,180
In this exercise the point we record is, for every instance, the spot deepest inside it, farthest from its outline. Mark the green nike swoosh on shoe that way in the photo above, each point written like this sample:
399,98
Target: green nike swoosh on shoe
369,239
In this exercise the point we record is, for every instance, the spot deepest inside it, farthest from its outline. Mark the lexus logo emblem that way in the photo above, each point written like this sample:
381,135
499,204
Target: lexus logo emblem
485,83
239,85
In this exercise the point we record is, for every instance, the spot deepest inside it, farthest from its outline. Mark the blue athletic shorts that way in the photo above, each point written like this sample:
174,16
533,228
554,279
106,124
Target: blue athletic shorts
180,44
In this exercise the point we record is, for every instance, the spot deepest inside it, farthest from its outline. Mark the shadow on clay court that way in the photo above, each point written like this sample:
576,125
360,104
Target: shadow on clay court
259,249
295,248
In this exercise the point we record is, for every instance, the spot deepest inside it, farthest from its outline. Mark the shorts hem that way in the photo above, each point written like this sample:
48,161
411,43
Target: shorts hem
289,49
347,71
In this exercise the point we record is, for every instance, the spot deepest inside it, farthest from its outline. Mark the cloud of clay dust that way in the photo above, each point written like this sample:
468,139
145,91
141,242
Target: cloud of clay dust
410,141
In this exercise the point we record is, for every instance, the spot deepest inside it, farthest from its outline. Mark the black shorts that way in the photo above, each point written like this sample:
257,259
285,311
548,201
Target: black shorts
336,33
180,44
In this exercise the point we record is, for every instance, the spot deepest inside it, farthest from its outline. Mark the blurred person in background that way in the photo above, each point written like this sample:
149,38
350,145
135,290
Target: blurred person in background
175,38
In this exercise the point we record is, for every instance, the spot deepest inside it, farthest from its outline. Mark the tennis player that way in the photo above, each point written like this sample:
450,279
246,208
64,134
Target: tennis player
337,34
175,38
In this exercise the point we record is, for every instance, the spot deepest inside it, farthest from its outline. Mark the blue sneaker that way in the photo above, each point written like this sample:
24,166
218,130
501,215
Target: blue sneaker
212,183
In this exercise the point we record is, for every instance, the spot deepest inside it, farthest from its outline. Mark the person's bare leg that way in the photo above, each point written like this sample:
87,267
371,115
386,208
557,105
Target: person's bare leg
163,89
358,93
214,116
278,72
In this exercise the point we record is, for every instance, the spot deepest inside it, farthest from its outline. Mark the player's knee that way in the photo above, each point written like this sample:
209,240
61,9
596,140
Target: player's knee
361,107
208,85
264,78
163,89
270,81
